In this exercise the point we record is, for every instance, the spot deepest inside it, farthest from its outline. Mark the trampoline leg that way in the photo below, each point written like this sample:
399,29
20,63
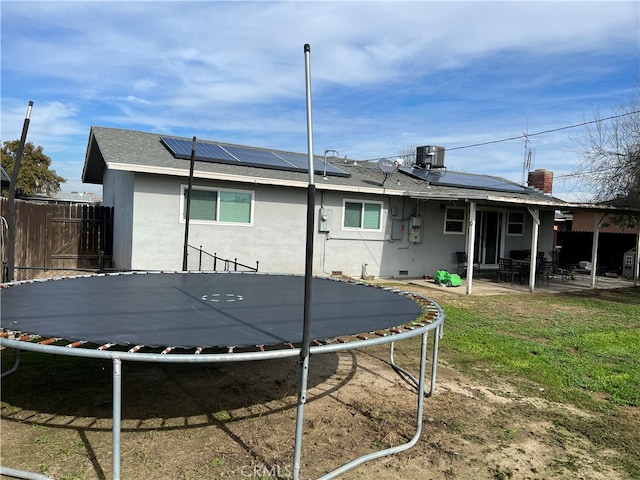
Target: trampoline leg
408,374
399,448
302,399
16,364
434,358
117,410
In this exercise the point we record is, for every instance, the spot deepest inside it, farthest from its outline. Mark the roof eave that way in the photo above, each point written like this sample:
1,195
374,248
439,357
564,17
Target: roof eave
255,180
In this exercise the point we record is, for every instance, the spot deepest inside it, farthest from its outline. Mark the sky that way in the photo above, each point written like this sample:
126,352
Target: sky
386,76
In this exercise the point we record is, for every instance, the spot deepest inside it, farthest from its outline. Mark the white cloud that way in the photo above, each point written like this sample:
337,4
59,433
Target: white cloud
384,74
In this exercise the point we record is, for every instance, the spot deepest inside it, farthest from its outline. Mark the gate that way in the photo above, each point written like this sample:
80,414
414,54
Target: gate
54,239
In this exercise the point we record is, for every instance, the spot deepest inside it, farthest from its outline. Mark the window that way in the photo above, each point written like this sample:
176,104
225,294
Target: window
515,223
362,215
224,206
454,219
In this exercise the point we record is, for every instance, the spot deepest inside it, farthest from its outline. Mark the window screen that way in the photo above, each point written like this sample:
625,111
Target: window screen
366,216
203,205
235,207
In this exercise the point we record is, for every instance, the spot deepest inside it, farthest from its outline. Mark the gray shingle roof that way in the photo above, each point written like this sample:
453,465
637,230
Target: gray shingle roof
135,151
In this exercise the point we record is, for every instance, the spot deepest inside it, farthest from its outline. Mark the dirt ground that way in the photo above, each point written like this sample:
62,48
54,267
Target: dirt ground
236,421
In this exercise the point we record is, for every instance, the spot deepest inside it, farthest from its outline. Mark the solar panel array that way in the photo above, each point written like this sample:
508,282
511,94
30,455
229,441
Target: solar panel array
463,180
251,157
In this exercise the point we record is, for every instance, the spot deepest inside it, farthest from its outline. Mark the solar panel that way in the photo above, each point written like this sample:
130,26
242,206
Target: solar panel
297,160
257,158
302,162
181,148
463,180
252,157
211,151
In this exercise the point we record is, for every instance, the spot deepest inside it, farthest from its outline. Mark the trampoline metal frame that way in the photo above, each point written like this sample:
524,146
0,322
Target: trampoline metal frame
414,329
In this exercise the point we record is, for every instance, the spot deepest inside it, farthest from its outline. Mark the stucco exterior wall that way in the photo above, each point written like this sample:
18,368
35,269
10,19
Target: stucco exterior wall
150,231
275,238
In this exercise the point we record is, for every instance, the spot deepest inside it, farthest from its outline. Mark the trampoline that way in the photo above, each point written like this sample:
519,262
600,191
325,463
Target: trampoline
211,317
183,317
197,311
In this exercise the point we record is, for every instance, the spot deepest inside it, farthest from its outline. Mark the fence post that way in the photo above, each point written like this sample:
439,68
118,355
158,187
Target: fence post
257,263
200,259
235,264
215,261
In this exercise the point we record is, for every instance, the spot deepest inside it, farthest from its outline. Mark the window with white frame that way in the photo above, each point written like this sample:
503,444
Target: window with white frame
209,205
454,220
515,223
362,215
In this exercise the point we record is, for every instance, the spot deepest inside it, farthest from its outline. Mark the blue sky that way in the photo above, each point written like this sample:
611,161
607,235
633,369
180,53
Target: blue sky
386,76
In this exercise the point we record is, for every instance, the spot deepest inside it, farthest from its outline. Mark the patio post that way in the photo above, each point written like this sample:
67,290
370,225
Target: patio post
636,267
535,214
471,241
594,247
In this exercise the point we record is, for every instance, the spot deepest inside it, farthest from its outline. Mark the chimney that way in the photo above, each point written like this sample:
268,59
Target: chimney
542,180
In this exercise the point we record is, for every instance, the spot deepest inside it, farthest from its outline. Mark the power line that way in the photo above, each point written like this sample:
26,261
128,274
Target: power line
525,135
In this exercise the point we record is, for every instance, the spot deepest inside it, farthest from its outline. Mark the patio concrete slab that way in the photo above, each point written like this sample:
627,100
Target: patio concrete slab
490,286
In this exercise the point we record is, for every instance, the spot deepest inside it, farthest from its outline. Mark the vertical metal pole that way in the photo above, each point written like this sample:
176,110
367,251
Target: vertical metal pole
636,265
594,249
185,253
308,276
471,246
434,359
535,228
117,414
11,205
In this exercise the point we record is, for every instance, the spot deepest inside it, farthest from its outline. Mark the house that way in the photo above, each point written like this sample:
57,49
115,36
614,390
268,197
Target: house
575,232
68,198
250,203
5,180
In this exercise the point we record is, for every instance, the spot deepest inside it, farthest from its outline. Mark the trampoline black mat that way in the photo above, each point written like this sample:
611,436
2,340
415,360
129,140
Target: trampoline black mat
191,310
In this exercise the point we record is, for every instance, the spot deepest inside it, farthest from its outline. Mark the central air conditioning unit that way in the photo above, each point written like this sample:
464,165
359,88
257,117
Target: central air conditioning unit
430,156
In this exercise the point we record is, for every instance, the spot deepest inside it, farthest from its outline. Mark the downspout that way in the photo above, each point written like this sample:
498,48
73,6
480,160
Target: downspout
471,244
594,248
535,214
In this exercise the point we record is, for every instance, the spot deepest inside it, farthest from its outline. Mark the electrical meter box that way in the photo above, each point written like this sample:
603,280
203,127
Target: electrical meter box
415,229
325,219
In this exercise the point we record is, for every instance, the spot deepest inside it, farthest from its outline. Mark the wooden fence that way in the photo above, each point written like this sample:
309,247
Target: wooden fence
52,237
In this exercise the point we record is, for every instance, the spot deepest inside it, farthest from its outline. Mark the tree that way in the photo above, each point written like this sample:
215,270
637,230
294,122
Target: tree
408,155
610,151
35,175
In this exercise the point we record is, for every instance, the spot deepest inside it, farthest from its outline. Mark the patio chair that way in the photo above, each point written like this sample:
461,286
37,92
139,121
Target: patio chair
506,269
544,271
463,260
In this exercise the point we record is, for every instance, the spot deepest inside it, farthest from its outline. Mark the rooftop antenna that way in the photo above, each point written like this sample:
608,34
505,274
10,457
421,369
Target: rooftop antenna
332,154
387,167
526,164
